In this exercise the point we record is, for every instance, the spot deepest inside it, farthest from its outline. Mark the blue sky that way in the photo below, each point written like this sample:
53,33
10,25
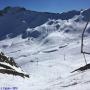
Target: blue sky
47,5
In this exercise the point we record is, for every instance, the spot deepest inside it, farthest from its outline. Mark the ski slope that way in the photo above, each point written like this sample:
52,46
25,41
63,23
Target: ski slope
50,58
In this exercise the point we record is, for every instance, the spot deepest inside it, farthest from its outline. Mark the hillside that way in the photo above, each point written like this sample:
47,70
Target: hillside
17,20
48,52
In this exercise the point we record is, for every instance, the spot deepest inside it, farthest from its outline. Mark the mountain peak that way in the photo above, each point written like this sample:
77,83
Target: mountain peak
86,14
16,9
10,9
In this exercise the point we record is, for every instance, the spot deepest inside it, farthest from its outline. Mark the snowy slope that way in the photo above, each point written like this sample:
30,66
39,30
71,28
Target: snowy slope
50,57
15,20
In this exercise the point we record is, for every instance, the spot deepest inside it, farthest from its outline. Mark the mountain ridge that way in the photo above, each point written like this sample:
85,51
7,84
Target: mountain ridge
16,20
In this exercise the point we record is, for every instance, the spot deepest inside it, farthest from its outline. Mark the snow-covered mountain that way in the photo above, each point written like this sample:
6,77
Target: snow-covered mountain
46,46
15,20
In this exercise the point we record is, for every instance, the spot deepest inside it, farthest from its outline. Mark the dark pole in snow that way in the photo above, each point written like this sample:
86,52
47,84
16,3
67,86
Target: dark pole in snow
82,42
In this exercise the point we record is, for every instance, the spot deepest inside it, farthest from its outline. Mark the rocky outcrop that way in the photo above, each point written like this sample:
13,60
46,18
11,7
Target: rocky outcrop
9,66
